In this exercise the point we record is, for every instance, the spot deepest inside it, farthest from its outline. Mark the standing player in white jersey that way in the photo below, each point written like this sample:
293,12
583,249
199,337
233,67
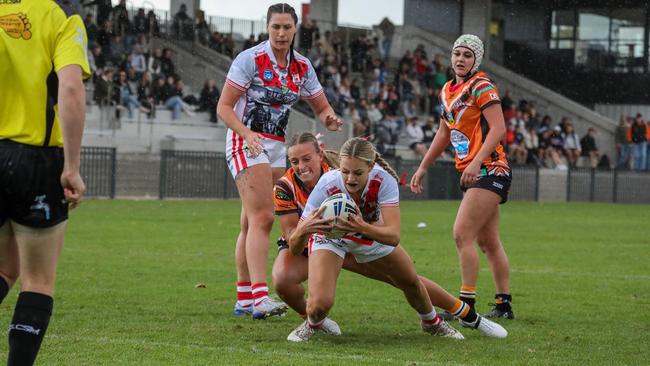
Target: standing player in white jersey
262,84
372,237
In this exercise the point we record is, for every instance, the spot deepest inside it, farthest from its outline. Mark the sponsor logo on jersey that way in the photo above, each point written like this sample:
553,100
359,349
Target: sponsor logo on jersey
16,25
282,195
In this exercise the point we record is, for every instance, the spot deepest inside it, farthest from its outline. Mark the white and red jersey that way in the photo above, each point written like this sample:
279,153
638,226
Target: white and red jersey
270,90
381,190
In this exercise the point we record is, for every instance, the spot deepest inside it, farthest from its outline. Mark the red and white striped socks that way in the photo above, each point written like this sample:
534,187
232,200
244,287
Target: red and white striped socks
260,292
430,319
244,294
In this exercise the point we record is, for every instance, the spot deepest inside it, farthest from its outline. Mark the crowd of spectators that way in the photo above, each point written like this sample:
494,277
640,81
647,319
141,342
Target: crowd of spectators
393,104
132,75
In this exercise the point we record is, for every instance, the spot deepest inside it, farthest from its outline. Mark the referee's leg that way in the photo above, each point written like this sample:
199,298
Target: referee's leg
38,250
8,259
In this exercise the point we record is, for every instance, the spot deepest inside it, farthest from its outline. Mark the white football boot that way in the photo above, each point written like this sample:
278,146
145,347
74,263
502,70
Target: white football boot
442,329
487,327
269,307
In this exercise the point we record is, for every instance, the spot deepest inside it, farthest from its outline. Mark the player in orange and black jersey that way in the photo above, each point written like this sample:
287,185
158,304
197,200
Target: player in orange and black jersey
472,120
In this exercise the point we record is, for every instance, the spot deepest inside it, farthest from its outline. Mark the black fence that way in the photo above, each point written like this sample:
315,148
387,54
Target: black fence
191,174
593,185
98,170
195,174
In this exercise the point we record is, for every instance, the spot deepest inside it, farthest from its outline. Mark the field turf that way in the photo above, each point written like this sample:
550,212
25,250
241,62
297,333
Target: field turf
126,291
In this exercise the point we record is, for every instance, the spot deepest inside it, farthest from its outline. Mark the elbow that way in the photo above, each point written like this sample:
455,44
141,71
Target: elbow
71,88
220,108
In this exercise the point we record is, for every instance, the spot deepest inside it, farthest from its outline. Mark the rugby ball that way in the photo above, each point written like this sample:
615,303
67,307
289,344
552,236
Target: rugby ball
338,205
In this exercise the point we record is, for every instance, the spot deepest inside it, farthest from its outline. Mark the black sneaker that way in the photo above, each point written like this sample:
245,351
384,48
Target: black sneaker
501,311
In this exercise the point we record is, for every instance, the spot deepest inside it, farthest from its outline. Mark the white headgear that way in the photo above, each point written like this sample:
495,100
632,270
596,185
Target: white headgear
474,44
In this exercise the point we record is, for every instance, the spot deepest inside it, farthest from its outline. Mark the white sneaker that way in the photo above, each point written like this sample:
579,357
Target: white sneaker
443,329
269,307
302,333
329,326
487,327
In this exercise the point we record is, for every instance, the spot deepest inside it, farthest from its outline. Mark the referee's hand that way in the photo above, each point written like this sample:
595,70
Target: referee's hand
73,187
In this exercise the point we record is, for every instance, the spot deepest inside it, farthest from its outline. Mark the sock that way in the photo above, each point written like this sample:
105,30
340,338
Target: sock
313,324
431,318
503,301
468,295
260,292
464,311
244,294
4,289
28,326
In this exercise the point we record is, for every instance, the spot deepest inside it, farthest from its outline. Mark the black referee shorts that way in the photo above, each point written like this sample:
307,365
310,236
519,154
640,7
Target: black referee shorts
30,185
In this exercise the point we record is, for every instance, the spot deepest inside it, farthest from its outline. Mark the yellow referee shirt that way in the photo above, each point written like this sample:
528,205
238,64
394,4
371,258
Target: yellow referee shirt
37,39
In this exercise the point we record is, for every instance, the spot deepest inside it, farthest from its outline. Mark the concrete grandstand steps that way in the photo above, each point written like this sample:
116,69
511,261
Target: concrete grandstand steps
94,113
132,136
138,175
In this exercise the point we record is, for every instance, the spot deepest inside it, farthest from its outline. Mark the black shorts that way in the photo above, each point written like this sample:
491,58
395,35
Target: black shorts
30,185
282,245
497,184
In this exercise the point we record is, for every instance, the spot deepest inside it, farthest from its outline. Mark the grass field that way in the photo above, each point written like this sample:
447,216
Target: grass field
126,292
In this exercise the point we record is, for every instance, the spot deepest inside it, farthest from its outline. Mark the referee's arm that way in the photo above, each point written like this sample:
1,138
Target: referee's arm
72,110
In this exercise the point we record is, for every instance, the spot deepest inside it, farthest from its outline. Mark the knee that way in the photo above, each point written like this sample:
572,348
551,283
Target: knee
263,219
489,244
462,239
281,282
409,285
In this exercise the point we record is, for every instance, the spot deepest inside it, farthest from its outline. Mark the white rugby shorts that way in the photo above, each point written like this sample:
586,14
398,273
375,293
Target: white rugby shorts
363,250
239,158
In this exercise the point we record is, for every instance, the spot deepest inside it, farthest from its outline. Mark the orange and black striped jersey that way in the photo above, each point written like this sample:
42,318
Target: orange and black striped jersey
289,193
462,107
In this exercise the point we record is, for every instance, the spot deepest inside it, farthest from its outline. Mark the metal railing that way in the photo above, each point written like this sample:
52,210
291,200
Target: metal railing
98,170
192,174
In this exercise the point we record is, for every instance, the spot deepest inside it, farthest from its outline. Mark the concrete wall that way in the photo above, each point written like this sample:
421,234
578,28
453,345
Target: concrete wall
325,13
615,111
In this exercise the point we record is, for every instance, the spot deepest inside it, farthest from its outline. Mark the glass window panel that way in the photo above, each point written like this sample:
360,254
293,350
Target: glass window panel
593,24
562,24
628,34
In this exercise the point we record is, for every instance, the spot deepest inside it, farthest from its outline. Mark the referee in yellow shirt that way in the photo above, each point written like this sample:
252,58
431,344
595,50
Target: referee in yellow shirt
42,106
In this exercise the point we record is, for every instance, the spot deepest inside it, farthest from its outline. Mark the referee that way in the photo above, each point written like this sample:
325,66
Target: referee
42,106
